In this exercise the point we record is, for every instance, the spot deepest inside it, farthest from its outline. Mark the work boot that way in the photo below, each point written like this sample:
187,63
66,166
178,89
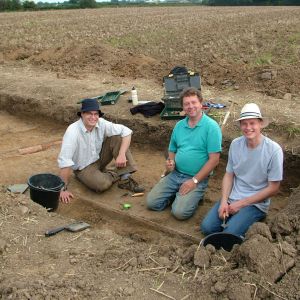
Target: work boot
131,185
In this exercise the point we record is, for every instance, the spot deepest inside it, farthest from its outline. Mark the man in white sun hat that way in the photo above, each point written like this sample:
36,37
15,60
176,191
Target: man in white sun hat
253,174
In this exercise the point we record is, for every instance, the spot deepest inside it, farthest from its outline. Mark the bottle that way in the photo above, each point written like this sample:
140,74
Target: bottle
134,97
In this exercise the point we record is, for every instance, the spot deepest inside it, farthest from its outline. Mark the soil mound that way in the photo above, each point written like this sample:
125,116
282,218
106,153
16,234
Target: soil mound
77,60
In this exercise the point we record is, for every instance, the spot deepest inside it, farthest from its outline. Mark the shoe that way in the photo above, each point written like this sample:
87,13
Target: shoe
131,185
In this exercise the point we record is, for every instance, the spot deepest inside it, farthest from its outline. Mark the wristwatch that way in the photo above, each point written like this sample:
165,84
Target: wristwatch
65,187
195,180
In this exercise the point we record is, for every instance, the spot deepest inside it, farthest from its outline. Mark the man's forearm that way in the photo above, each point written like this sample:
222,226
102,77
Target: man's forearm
65,174
171,155
227,183
125,144
271,190
212,162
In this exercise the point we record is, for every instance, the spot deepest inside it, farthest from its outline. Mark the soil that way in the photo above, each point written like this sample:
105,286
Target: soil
136,253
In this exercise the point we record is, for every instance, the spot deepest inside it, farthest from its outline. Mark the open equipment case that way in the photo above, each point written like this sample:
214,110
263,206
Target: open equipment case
178,79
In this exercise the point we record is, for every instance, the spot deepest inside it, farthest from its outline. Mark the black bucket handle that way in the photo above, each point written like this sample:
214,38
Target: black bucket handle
49,189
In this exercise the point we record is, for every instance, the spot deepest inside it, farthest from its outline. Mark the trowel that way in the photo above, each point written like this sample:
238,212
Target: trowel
74,227
224,225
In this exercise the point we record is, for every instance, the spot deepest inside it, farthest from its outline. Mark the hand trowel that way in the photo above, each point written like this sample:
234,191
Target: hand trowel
74,227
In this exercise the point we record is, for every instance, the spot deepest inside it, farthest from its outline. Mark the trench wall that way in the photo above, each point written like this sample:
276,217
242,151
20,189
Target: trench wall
156,135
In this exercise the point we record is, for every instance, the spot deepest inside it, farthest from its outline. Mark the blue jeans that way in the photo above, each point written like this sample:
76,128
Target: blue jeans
166,191
237,224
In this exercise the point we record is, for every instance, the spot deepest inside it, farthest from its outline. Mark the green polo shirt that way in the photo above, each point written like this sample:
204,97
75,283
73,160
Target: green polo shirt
193,145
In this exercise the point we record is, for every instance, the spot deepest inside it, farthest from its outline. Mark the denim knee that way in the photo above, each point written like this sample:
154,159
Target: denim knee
179,215
149,201
152,202
206,228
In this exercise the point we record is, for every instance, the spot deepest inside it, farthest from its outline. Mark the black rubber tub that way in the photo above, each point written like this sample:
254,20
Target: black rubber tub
45,190
222,240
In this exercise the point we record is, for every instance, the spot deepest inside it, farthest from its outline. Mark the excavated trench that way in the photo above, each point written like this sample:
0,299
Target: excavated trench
27,122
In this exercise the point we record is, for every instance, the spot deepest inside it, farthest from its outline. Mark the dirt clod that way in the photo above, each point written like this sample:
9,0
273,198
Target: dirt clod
259,255
202,258
288,249
281,224
188,256
259,228
220,287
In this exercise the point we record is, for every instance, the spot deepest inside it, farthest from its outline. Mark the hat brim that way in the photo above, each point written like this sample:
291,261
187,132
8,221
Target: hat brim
265,121
101,114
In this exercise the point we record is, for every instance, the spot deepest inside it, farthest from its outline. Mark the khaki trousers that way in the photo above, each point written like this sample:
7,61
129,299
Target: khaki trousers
95,176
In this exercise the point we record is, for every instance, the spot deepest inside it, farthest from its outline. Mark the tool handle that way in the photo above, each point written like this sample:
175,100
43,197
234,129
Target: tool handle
227,116
137,195
54,231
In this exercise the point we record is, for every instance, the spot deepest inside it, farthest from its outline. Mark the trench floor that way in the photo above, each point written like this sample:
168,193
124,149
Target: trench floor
105,209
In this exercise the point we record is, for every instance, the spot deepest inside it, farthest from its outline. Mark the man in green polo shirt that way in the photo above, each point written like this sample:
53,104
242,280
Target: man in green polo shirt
194,152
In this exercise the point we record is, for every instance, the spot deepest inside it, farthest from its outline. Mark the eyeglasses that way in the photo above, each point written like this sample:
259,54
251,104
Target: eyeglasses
92,114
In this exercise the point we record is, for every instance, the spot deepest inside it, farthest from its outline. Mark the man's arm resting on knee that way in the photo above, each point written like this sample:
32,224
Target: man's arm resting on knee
65,174
212,162
121,159
271,190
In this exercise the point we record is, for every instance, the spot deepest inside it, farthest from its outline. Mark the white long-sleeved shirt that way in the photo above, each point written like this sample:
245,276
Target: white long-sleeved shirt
81,147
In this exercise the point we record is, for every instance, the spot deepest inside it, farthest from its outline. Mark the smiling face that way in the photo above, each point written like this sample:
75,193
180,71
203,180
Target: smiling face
192,106
90,119
251,129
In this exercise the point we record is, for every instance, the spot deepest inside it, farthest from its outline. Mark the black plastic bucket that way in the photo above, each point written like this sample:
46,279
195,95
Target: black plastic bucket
45,190
222,240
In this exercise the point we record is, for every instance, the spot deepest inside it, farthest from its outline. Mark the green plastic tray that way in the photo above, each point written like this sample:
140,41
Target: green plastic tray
108,98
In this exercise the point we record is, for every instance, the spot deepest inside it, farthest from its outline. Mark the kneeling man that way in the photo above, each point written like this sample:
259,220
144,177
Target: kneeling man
194,152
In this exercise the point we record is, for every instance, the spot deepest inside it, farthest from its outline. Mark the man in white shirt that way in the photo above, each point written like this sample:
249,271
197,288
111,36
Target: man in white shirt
89,145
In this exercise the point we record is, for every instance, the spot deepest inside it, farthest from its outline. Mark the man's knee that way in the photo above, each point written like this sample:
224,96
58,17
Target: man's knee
151,201
205,227
181,214
114,139
115,142
99,185
102,186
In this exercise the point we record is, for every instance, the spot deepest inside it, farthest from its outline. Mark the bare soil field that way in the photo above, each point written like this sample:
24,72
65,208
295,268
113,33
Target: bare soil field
50,60
256,48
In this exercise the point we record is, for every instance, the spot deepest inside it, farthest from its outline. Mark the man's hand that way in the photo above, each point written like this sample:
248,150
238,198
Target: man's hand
223,210
234,207
187,186
121,161
65,196
170,165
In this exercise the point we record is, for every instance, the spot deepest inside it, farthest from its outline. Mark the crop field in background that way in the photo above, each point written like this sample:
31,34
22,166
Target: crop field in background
234,44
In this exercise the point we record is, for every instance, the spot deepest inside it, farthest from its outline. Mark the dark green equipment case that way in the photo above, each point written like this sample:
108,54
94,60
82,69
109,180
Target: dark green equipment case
178,79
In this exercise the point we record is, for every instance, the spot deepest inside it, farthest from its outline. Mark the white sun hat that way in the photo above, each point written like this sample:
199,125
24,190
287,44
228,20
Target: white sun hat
252,111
